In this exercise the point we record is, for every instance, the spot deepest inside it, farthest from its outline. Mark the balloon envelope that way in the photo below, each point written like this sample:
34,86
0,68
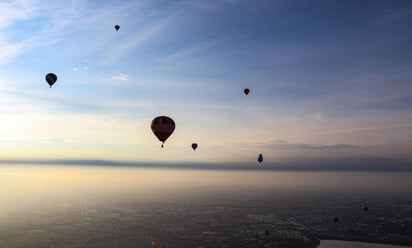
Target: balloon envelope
246,91
155,244
335,219
117,27
51,78
194,146
365,208
260,158
163,127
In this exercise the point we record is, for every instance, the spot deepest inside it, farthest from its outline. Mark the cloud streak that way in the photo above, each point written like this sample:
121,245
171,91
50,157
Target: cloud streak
121,77
17,10
139,38
60,18
283,145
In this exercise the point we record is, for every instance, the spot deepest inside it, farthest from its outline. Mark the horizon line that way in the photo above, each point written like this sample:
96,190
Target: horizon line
330,165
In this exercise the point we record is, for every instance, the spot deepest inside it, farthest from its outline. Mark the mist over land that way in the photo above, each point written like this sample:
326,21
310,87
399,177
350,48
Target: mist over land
106,206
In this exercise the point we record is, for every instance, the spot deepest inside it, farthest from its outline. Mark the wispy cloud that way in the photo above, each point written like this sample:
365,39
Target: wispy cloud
284,145
137,39
121,77
361,129
9,51
396,103
17,10
318,116
334,147
21,11
80,69
187,51
27,101
27,98
60,18
209,4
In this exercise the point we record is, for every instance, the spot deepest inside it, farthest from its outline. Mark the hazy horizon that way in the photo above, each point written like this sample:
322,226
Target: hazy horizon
365,164
47,184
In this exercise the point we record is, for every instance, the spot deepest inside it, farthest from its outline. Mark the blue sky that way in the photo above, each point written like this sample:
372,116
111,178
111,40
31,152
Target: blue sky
328,79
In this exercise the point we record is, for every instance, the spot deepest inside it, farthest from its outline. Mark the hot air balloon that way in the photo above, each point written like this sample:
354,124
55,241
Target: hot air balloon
365,209
335,219
246,91
51,78
163,127
260,158
117,27
155,244
194,146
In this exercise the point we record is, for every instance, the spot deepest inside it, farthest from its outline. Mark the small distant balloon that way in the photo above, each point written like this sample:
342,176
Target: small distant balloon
260,158
162,127
266,232
335,219
51,78
194,146
246,91
365,209
155,244
117,27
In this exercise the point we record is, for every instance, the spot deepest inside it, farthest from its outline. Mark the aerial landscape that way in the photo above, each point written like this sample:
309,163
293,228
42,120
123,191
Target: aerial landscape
205,123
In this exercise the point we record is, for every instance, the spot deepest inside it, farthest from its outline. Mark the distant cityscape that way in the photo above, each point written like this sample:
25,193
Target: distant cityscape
261,221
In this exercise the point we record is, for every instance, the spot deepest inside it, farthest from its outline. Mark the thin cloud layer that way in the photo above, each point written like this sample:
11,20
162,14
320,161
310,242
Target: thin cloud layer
121,77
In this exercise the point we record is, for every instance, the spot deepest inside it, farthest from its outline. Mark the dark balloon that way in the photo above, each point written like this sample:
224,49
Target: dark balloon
335,219
246,91
260,158
163,127
194,146
51,78
365,208
117,27
266,232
